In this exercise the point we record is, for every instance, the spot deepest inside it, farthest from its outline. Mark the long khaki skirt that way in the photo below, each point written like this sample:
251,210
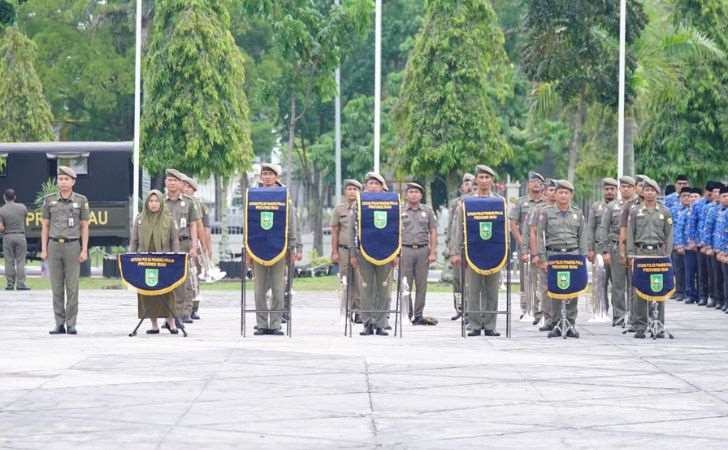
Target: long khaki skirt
153,307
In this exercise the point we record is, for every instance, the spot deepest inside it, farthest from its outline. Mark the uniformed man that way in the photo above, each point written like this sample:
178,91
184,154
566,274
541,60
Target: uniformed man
519,229
202,227
673,200
419,248
628,206
481,291
376,292
542,305
342,243
695,238
720,241
649,233
186,216
564,230
680,214
274,277
692,294
594,242
609,246
466,188
64,244
12,228
715,275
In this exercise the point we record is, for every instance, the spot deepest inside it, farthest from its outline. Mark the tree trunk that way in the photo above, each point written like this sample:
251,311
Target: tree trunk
630,129
221,210
579,118
315,212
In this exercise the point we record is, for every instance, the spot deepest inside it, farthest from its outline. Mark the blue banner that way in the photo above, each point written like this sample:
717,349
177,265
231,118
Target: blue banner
153,273
266,224
653,278
567,276
486,234
379,230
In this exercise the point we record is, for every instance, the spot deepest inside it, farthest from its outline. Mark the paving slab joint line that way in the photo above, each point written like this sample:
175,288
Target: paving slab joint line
372,420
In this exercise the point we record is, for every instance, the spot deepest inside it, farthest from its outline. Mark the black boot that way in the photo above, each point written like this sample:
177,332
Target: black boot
368,330
60,329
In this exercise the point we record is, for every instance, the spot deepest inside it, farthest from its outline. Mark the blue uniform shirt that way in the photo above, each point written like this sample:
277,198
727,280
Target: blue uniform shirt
695,222
672,201
711,213
680,228
720,234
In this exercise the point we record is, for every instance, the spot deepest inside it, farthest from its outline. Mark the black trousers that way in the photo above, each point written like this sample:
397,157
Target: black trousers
678,266
703,275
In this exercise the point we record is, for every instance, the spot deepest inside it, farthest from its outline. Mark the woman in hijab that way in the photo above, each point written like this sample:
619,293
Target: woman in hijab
155,231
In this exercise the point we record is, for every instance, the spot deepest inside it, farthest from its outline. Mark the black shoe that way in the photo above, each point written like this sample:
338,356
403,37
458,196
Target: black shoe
572,333
725,306
194,316
418,321
186,319
661,335
490,333
711,303
22,288
261,332
368,331
175,331
618,322
679,299
357,318
521,317
9,288
536,321
381,332
152,331
388,327
639,334
690,301
276,332
547,327
474,332
703,302
60,329
71,330
554,333
456,316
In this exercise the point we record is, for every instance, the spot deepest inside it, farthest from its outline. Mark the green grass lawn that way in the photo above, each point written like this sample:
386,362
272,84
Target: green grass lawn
318,284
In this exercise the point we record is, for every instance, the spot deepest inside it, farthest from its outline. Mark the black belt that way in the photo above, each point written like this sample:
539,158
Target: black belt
562,249
63,240
648,246
184,238
7,233
345,247
415,245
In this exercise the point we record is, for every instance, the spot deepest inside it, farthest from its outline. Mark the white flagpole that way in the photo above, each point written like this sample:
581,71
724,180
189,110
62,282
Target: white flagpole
137,105
622,91
337,105
377,82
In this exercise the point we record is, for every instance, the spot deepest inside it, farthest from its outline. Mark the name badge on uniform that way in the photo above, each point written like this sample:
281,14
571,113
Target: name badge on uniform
183,222
75,205
423,214
182,203
576,217
71,222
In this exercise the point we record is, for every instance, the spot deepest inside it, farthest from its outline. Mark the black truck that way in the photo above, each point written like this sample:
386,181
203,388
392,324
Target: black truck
104,176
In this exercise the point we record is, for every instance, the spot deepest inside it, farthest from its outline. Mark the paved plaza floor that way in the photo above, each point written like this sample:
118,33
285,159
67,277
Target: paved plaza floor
431,389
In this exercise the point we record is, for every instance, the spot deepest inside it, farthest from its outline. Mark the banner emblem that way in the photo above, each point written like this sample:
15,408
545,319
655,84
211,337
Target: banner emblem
656,282
486,230
653,278
151,277
153,273
485,233
380,219
378,227
563,280
266,220
567,276
265,225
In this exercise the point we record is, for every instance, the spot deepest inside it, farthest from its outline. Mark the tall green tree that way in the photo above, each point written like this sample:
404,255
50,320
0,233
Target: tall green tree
25,114
195,114
446,116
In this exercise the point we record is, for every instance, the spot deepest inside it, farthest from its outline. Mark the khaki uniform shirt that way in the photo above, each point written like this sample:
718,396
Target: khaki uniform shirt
608,231
561,230
65,215
593,222
649,227
12,216
342,217
416,224
519,214
184,211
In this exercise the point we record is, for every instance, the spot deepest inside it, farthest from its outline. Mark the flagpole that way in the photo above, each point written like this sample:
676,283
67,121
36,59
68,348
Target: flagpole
137,105
377,82
337,120
622,64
